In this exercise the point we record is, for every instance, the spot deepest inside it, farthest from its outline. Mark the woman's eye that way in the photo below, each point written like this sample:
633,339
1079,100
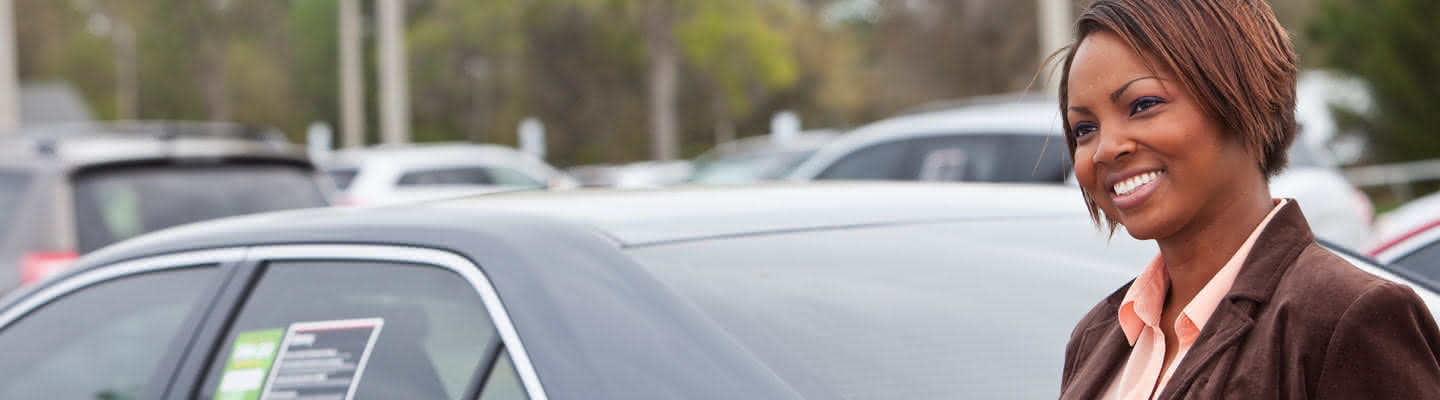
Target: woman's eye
1083,129
1144,103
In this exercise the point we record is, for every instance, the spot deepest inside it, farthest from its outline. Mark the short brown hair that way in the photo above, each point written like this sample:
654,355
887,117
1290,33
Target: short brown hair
1232,56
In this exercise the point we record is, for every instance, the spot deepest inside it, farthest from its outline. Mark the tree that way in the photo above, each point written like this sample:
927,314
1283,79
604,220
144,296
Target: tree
1391,44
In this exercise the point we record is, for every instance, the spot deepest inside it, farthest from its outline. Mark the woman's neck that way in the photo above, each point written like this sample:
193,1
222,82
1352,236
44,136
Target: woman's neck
1195,253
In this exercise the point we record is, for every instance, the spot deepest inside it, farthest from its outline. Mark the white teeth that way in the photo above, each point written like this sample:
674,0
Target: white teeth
1135,182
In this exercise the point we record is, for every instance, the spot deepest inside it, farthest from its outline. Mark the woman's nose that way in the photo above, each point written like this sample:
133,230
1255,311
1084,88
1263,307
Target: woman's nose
1113,145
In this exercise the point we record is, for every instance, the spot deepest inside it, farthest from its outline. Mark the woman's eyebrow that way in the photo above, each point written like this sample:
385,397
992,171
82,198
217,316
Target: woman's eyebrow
1081,110
1115,96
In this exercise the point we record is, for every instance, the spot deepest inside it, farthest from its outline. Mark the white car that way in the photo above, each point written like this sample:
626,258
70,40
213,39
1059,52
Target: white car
392,174
1016,139
1010,141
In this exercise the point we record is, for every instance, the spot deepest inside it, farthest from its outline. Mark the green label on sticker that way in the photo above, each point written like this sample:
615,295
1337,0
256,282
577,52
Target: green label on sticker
250,360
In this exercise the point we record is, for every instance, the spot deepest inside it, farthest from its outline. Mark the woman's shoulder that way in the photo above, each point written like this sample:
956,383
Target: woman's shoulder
1318,270
1322,285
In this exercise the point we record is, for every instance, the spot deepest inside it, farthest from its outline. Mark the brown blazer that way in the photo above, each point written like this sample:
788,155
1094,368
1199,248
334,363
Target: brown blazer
1299,323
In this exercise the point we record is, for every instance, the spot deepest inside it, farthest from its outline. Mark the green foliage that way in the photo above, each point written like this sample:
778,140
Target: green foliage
1392,44
478,67
739,49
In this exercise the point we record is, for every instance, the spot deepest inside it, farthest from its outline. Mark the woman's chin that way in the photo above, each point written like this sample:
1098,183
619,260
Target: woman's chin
1141,230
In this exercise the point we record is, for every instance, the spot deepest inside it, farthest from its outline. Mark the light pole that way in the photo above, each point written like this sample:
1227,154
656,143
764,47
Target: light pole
394,90
9,77
352,87
1054,23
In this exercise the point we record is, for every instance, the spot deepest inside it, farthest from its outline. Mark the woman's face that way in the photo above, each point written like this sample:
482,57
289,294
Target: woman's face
1145,151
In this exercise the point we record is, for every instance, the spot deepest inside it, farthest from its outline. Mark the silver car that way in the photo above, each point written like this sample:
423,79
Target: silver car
66,190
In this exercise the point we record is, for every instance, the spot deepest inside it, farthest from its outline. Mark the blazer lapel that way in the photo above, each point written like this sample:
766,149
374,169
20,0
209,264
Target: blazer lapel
1273,253
1230,324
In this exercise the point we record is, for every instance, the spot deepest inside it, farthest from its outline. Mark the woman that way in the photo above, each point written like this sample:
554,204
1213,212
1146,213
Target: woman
1176,114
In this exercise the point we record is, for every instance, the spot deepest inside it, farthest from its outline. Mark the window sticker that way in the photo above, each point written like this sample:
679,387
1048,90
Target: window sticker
250,360
321,360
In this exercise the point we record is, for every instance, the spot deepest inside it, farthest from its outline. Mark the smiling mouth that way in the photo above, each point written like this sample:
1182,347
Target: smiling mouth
1129,186
1135,190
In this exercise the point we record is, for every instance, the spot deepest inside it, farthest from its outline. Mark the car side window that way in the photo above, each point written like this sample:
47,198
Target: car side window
507,176
1041,158
502,383
103,341
448,176
991,158
967,158
12,191
878,162
1424,261
407,331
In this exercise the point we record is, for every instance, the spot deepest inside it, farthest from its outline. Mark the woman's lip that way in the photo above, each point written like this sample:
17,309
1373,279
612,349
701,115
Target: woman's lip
1137,196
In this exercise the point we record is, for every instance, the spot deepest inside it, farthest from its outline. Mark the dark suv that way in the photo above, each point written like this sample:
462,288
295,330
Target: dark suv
66,190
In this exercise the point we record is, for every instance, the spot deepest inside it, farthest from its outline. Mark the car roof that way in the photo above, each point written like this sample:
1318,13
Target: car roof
641,217
79,144
1035,117
653,216
420,155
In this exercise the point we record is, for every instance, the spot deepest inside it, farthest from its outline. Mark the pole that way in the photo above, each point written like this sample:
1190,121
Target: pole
352,88
394,96
1055,30
664,80
9,78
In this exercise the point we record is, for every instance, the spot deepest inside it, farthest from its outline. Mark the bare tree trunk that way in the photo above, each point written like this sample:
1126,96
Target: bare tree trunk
210,38
664,71
217,93
127,72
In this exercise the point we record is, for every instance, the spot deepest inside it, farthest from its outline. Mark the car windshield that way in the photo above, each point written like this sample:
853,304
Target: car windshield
114,204
343,177
749,167
12,189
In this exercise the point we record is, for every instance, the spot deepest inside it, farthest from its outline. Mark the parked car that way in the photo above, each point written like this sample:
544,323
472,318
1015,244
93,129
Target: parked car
66,190
1415,249
874,291
1414,217
757,158
1015,139
401,173
985,141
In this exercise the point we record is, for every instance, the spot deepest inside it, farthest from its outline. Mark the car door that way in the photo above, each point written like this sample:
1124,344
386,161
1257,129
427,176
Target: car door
360,322
112,332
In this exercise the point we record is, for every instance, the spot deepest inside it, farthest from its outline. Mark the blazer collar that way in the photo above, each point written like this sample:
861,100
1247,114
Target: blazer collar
1274,253
1279,244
